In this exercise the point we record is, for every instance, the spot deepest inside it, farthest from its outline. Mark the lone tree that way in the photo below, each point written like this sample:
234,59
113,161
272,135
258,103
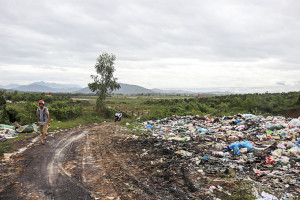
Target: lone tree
104,81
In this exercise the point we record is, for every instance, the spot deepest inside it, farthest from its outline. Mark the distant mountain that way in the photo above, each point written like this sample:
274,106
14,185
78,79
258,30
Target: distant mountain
170,91
67,88
132,89
125,89
42,87
34,88
56,85
10,86
135,89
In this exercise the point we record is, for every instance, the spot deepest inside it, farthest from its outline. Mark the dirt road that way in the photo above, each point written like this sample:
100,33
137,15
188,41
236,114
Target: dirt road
43,175
105,162
95,162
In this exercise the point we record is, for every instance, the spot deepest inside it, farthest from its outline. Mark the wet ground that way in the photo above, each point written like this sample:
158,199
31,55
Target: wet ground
39,172
104,161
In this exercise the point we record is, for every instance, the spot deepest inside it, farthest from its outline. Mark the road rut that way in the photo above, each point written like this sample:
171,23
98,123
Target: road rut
44,176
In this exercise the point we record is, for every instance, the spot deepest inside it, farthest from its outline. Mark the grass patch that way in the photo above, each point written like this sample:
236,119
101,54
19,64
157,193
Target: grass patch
125,121
8,145
243,190
21,136
86,119
5,147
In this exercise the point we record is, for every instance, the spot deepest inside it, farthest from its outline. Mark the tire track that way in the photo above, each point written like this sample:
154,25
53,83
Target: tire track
44,176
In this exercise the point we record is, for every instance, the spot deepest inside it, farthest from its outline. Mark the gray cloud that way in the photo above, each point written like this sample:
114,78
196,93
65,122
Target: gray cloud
157,43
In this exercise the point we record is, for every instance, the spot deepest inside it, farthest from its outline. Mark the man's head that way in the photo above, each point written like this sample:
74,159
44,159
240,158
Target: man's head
41,103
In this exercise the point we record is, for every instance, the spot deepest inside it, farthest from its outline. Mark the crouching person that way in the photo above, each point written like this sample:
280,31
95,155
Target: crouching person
118,116
43,119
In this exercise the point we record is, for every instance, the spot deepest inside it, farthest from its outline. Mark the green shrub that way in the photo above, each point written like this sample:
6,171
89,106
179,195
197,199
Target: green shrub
265,104
13,114
27,113
3,113
63,111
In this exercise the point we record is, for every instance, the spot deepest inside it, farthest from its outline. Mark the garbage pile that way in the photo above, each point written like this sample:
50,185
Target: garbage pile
262,150
10,132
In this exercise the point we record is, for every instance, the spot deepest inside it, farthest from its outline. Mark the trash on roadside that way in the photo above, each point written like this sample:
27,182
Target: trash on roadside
7,132
237,146
28,128
266,196
262,150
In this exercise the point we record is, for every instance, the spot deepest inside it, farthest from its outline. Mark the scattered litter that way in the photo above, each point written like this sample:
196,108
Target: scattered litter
28,128
9,132
262,150
266,196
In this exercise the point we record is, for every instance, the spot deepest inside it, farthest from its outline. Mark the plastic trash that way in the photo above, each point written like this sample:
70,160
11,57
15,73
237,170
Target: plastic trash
266,196
295,151
218,153
275,127
273,162
298,143
294,123
238,121
205,158
277,152
248,116
269,161
179,139
149,127
184,153
281,145
4,126
28,128
236,146
202,130
284,159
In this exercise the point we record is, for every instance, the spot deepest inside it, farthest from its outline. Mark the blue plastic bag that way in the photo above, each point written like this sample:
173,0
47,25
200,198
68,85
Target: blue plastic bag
298,143
149,127
202,130
237,146
238,121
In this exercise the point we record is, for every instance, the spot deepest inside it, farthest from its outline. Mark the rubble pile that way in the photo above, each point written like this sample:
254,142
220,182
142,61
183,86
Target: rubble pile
7,132
264,151
10,132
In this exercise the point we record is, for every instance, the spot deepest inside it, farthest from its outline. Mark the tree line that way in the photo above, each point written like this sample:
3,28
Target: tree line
259,104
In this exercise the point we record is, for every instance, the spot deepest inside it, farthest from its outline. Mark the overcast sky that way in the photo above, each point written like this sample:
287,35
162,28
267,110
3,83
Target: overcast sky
158,44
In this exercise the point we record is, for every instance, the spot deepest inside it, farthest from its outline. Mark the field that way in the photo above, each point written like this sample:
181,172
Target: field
71,111
97,158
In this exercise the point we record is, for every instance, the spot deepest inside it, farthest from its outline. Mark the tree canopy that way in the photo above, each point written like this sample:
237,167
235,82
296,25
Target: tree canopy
104,81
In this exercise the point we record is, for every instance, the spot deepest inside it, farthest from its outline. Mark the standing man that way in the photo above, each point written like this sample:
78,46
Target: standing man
43,119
